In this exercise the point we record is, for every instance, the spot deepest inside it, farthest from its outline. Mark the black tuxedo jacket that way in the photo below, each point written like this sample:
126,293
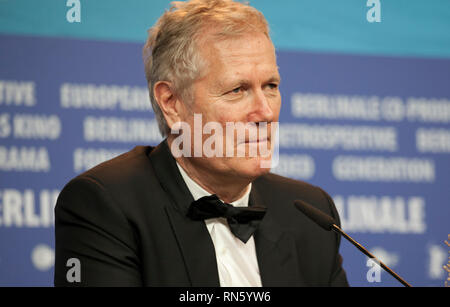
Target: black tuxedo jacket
125,221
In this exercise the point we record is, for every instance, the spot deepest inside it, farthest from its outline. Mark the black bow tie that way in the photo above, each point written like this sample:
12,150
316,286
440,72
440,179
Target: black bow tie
242,221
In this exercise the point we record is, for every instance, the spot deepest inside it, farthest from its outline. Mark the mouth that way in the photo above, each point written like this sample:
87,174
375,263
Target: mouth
256,141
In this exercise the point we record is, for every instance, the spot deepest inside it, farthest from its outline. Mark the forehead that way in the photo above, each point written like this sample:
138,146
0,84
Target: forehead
249,54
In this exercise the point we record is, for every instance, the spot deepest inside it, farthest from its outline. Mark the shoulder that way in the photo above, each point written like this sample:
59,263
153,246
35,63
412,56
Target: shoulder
284,184
281,192
280,186
119,183
121,169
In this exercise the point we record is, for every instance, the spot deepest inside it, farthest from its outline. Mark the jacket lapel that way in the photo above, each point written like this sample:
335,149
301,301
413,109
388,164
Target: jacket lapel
275,248
192,237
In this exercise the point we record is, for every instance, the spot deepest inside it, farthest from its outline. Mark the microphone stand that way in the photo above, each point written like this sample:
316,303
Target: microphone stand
335,228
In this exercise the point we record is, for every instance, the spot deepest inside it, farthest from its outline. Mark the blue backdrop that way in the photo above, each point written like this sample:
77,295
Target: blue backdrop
365,115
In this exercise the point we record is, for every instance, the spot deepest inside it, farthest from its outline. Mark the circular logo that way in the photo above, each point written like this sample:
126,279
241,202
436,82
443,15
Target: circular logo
43,257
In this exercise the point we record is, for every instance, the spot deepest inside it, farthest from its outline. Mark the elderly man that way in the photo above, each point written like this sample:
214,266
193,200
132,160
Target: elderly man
178,215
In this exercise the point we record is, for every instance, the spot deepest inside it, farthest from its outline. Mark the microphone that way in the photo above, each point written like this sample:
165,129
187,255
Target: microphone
328,223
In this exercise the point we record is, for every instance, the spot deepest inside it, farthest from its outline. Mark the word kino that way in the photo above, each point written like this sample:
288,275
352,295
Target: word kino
249,139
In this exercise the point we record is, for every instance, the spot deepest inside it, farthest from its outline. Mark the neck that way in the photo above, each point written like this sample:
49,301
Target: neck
227,187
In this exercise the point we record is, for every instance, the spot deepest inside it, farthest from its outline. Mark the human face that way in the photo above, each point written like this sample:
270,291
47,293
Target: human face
241,85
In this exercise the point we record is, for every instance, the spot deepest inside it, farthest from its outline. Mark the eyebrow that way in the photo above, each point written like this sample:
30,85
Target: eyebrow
230,84
276,78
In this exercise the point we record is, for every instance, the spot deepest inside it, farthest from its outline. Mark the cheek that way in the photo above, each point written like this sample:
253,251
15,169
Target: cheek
276,106
225,115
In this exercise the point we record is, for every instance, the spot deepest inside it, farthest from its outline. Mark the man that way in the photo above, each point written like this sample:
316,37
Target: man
185,213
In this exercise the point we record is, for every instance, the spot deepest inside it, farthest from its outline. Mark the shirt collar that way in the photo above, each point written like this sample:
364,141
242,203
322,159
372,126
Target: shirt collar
197,191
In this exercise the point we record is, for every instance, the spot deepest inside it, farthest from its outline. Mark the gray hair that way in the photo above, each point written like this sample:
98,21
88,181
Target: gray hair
171,54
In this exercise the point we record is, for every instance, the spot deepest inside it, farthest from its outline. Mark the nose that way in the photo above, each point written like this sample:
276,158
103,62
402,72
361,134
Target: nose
261,108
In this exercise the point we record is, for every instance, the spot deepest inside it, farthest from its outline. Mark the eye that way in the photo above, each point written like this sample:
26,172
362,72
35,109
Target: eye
236,90
272,86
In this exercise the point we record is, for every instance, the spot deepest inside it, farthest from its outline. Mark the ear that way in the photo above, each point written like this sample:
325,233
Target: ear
168,102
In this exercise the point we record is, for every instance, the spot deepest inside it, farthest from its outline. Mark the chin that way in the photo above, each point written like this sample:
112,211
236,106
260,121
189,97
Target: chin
253,168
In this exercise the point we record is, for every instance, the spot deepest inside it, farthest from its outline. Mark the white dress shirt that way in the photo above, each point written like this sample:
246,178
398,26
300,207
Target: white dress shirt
236,261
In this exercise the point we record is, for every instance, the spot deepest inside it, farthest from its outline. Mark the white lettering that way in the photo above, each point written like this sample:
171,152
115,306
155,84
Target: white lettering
382,214
428,110
17,93
36,126
104,97
433,140
5,126
21,159
332,137
310,105
354,168
19,209
112,129
295,166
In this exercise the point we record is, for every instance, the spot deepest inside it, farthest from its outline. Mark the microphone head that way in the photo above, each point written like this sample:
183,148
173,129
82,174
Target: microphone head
323,220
